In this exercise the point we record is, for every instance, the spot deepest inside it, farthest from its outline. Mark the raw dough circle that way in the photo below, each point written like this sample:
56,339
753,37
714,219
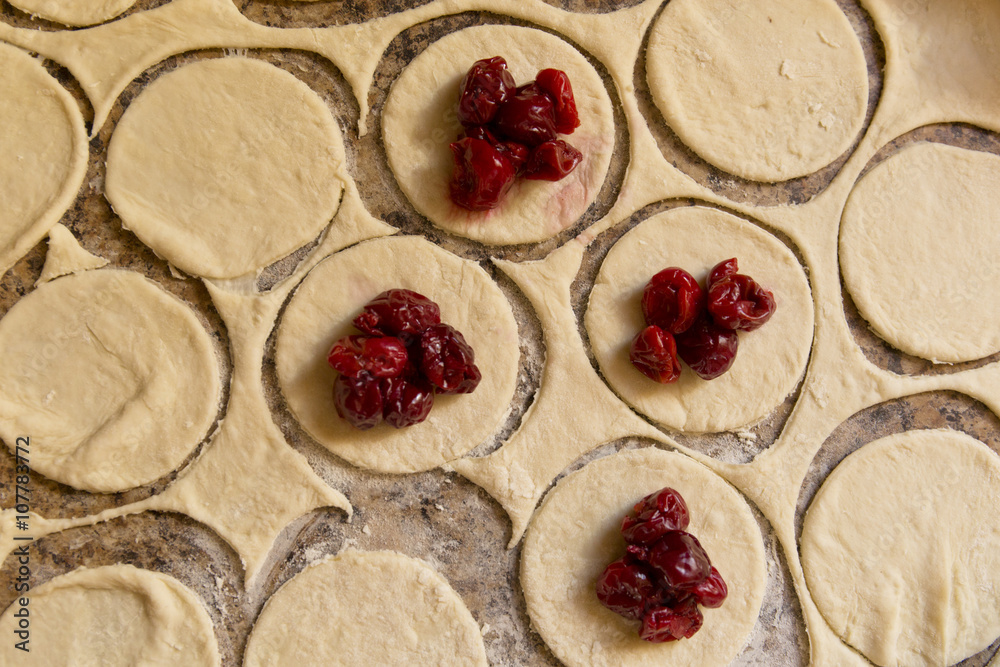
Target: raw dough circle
75,13
919,248
45,147
576,533
115,615
420,121
320,313
901,548
224,166
366,608
114,380
770,360
768,90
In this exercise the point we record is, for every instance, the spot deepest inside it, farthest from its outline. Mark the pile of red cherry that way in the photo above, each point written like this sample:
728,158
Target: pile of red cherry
404,356
682,321
510,131
665,573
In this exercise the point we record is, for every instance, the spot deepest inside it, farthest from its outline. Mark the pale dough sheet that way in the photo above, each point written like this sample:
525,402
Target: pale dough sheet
227,163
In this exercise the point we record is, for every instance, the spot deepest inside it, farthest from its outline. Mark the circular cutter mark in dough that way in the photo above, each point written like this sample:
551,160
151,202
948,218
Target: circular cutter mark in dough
420,120
767,91
320,313
114,380
901,548
75,13
576,534
919,248
224,166
366,608
115,616
770,360
44,145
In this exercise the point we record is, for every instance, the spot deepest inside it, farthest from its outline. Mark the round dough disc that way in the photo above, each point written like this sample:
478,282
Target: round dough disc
901,548
154,365
112,616
366,608
224,166
767,90
45,147
577,532
420,121
919,248
320,313
75,13
770,360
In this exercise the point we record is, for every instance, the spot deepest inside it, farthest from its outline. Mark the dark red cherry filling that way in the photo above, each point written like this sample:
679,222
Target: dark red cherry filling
485,87
654,353
510,131
708,348
392,374
704,327
665,573
672,300
736,301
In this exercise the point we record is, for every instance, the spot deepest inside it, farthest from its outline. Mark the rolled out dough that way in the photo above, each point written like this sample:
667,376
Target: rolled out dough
226,165
44,149
114,380
770,360
919,244
366,608
420,121
767,90
114,616
901,548
74,12
576,533
320,313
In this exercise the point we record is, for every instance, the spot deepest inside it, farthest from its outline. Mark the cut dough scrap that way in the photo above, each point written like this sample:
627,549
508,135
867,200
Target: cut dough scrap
770,360
576,534
226,165
366,608
112,616
420,120
154,365
768,91
901,548
320,313
919,248
65,256
74,12
44,145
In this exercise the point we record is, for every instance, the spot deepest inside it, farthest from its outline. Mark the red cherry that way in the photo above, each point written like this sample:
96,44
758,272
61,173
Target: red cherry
516,153
447,361
672,300
527,117
712,591
654,354
398,312
382,356
552,161
654,516
358,400
625,588
707,348
737,301
406,400
556,84
670,623
679,559
485,87
482,175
